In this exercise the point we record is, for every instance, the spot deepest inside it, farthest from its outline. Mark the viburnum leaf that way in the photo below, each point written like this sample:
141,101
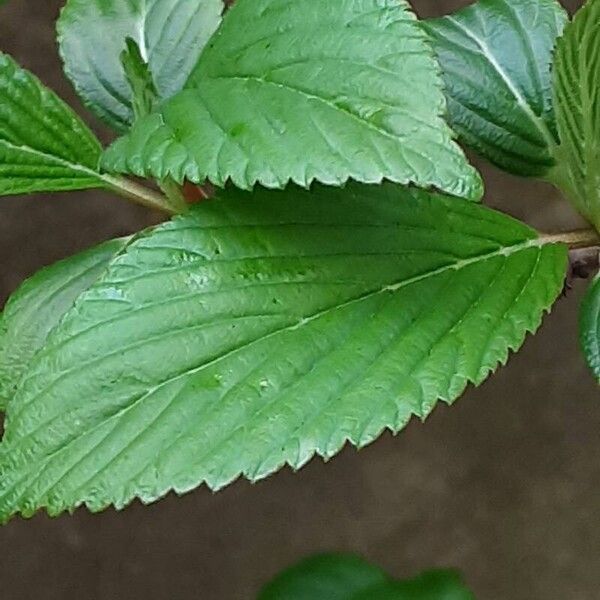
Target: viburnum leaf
261,329
496,57
301,90
169,33
38,306
589,327
347,577
44,145
577,100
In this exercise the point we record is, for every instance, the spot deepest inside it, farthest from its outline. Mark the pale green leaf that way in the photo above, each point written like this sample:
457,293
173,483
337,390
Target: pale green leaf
347,577
263,329
589,327
38,306
44,145
577,101
496,57
302,90
170,34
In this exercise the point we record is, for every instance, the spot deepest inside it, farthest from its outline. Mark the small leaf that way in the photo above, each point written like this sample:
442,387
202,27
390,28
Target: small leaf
137,72
576,90
589,327
38,306
44,146
302,90
496,57
346,577
263,329
170,34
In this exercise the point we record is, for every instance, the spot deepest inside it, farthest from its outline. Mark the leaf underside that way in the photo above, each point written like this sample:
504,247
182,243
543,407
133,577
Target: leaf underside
495,57
262,329
301,90
44,146
38,306
577,101
347,577
170,34
589,327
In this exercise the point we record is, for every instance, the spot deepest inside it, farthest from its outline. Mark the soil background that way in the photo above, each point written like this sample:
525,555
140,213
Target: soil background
504,485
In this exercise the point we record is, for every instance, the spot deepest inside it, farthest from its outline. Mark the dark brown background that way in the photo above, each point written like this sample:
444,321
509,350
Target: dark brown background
504,485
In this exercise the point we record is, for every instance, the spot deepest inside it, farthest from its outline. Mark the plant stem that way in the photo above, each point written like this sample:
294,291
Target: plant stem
140,194
580,238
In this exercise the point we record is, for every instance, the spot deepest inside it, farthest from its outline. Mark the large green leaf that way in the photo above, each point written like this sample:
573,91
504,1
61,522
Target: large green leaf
39,304
496,57
264,329
44,146
302,90
170,33
577,100
589,327
346,577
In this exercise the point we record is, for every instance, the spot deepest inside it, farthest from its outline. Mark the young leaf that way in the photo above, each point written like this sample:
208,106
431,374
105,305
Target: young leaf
170,34
38,306
44,146
264,329
302,90
589,327
346,577
496,57
577,100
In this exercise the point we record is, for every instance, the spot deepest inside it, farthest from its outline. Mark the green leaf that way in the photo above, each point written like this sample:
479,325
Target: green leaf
170,34
346,577
327,577
266,328
496,57
39,305
589,327
301,90
44,146
576,90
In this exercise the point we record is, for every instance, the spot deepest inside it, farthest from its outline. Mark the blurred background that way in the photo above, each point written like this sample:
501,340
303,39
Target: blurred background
504,485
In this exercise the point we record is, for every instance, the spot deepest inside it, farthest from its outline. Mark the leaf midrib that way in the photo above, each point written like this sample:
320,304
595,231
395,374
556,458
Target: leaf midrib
456,266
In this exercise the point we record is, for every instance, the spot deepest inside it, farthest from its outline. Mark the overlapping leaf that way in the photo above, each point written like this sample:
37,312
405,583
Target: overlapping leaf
496,57
170,33
38,306
346,577
44,146
302,90
263,329
589,327
577,99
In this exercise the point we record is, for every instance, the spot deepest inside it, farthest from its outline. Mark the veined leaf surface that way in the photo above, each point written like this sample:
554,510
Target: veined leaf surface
577,100
302,90
496,57
44,145
262,329
170,34
38,306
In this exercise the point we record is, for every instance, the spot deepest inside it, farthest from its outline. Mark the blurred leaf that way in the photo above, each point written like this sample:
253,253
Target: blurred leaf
170,34
346,577
302,90
496,57
589,327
